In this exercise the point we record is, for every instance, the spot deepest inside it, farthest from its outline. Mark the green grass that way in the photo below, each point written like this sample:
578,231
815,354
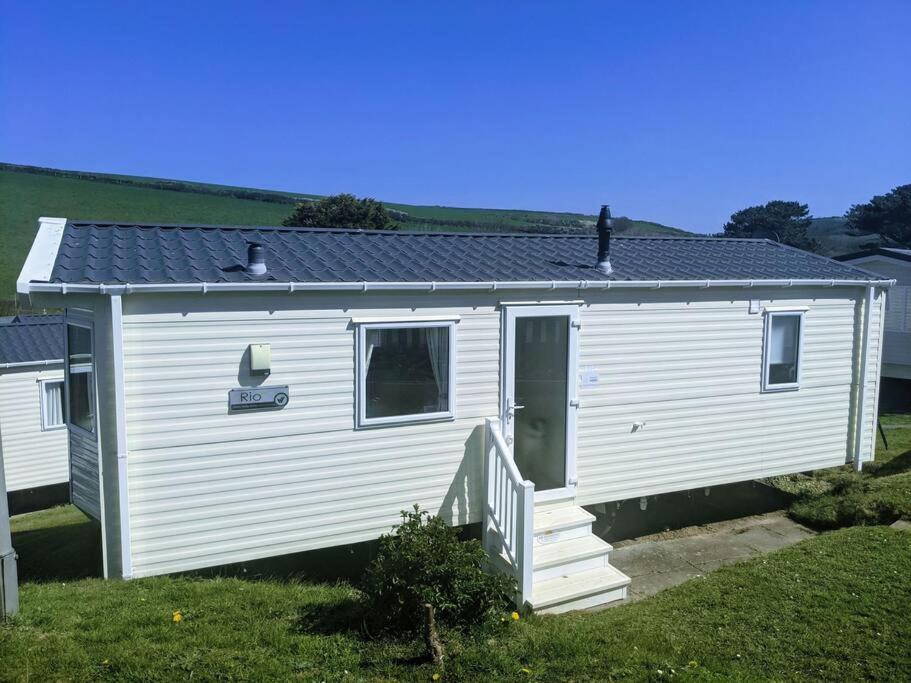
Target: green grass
830,608
27,193
881,494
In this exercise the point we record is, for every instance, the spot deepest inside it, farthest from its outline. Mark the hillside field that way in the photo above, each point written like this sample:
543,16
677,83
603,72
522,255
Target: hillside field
29,192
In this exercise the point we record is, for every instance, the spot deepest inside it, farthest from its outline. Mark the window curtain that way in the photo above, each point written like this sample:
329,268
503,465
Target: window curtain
784,339
53,404
438,350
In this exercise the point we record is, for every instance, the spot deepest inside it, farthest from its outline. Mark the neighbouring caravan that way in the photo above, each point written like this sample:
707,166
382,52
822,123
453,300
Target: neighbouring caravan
33,439
237,393
890,262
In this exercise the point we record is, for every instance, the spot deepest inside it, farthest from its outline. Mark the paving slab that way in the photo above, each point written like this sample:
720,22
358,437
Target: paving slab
661,562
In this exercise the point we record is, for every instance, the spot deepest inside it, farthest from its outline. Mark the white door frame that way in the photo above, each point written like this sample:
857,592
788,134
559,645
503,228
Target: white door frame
507,382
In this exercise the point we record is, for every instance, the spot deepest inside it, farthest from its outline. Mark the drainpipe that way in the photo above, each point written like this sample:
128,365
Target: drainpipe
860,420
9,588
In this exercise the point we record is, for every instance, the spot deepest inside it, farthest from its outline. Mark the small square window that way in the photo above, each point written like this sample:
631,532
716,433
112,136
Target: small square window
51,404
406,373
781,363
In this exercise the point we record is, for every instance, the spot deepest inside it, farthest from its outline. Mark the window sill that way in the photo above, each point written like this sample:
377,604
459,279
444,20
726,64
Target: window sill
404,420
778,388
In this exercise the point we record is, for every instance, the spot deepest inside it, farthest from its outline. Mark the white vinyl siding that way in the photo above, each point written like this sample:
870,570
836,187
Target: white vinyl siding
207,487
32,456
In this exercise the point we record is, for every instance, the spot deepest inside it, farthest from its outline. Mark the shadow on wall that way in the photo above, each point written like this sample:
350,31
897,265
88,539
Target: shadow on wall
619,521
465,490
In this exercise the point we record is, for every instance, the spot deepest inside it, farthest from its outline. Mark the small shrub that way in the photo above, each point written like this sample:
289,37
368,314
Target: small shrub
425,561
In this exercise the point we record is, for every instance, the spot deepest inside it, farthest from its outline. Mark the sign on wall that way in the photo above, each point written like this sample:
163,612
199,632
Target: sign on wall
258,398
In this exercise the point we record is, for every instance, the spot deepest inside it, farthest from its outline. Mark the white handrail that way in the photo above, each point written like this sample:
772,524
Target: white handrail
509,510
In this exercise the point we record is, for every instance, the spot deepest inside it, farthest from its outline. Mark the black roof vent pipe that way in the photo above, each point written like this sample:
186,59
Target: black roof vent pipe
605,225
256,259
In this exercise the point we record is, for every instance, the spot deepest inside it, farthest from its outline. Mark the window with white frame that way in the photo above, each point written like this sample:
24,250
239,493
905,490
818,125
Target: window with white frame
783,338
80,377
406,372
51,404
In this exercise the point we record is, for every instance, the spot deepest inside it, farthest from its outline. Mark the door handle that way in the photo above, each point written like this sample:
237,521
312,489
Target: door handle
511,409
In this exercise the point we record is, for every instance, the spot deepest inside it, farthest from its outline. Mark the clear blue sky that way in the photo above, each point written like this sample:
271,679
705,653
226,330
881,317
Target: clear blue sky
679,112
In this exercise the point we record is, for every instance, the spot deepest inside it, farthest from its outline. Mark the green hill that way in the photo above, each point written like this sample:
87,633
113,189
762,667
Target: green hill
835,239
27,192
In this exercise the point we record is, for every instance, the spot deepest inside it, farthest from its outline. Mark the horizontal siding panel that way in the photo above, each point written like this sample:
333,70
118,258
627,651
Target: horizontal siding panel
208,488
84,473
31,457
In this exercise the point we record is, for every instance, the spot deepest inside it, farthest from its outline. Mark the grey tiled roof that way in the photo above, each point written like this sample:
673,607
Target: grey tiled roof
106,253
31,338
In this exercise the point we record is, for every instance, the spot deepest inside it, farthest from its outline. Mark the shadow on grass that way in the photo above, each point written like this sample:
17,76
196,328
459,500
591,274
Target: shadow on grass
345,617
62,550
897,465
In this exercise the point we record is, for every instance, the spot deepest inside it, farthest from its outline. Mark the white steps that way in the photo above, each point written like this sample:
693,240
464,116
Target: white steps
571,568
579,591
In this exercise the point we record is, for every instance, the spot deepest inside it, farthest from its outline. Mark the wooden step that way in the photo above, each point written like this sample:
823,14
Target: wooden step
579,591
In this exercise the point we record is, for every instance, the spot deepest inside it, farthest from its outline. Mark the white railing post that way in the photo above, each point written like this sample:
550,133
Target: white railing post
524,541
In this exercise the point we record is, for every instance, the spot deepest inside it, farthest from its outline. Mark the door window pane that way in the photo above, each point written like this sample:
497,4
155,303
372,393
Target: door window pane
541,361
81,378
784,338
406,371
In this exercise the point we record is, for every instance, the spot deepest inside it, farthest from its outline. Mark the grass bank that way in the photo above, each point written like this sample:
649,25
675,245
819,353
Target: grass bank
831,608
881,494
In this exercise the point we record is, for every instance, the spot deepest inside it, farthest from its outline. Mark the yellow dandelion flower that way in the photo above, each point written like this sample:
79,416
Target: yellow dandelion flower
177,617
106,662
526,671
515,616
435,677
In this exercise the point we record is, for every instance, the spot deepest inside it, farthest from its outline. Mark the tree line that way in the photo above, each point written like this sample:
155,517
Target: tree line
887,215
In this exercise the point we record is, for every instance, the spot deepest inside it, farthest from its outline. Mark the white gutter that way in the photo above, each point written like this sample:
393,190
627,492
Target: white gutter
862,380
29,363
291,287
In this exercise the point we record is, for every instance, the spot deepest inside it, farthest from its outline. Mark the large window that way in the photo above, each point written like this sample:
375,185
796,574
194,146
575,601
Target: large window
781,366
81,389
406,372
51,404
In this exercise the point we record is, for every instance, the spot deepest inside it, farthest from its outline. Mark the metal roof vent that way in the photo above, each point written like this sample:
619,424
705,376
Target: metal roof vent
256,259
605,225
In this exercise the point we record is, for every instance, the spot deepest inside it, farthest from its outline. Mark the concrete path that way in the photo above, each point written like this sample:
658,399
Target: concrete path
663,560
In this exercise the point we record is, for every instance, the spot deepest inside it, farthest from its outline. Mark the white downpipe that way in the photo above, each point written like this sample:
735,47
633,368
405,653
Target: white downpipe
126,561
861,419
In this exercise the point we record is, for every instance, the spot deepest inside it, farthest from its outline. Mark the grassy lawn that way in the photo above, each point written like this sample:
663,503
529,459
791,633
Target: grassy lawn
881,494
831,608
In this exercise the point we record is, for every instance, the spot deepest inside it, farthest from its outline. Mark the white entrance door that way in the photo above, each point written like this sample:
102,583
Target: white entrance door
539,405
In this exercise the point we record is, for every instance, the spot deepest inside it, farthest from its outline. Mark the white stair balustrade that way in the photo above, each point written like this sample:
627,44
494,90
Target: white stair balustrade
509,512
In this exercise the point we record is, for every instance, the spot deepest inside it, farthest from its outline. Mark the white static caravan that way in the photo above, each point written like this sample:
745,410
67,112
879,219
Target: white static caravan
33,440
265,391
896,366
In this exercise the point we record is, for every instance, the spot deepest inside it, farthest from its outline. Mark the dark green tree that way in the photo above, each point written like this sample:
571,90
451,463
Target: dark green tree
886,214
341,211
784,222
